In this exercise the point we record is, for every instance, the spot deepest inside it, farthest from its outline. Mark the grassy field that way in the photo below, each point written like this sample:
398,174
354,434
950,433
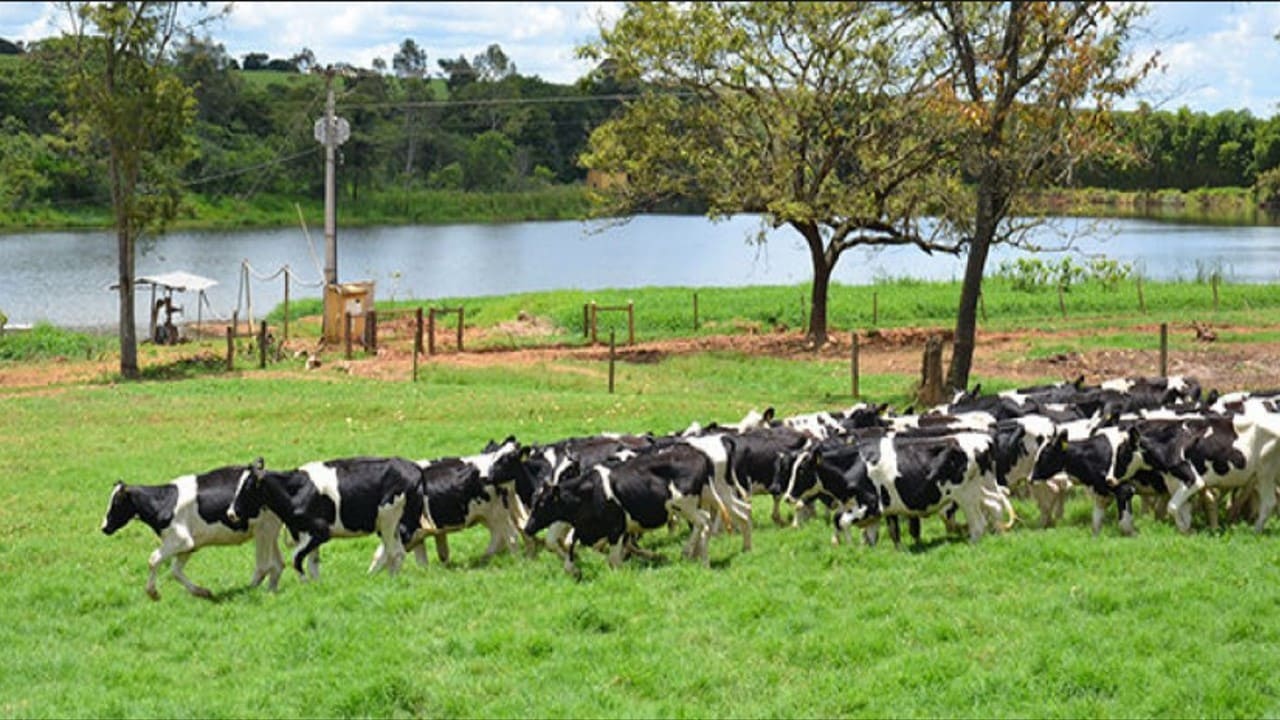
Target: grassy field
1043,623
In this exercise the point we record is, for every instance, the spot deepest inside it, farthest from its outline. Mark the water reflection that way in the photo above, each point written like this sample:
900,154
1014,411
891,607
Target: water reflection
62,277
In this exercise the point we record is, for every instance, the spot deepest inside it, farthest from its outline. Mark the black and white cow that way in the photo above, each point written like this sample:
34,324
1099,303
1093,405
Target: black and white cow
910,477
757,458
1109,462
190,513
1217,453
545,462
459,492
617,501
345,498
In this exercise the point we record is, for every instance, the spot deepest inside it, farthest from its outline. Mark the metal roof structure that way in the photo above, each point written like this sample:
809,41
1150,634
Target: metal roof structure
177,280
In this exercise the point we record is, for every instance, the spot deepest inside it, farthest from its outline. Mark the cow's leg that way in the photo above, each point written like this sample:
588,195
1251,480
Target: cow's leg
776,515
1124,508
617,552
1100,504
871,535
895,530
804,513
1210,496
913,528
560,538
1180,498
309,549
267,560
1266,486
173,543
569,565
976,514
442,547
180,561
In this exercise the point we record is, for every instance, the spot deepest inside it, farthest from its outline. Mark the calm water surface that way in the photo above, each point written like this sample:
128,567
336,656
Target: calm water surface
62,277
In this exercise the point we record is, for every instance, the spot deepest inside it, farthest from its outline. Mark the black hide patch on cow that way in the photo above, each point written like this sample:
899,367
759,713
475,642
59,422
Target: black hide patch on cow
215,491
450,486
154,504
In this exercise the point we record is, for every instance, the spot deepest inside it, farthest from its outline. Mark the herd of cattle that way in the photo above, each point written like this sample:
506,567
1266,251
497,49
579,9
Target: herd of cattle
1161,439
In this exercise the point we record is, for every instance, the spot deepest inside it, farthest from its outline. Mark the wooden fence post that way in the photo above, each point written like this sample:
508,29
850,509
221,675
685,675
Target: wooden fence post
431,331
631,323
417,341
593,322
586,320
371,331
231,348
1215,292
1142,301
1164,349
612,359
262,345
286,304
346,332
461,311
853,361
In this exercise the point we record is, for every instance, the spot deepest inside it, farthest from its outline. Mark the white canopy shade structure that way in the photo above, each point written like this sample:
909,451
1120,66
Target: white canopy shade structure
171,282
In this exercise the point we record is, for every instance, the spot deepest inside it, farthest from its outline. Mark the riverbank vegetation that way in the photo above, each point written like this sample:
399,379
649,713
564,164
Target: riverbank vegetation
1104,302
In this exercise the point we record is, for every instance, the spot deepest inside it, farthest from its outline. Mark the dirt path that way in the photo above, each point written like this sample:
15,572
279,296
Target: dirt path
1225,366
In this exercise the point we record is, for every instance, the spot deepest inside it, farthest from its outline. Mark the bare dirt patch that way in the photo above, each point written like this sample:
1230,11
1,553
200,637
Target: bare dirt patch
1008,355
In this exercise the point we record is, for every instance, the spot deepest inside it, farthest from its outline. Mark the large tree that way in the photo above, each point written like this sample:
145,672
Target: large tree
127,106
824,117
1035,82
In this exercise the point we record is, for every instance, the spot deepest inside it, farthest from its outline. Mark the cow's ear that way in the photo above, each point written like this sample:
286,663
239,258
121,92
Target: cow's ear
1060,440
768,414
1079,382
817,457
525,452
257,468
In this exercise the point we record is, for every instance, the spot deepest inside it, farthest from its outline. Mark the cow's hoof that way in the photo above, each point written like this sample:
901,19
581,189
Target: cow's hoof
153,593
202,593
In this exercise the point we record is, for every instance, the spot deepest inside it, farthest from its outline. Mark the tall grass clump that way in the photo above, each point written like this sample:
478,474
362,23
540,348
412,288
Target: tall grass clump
46,342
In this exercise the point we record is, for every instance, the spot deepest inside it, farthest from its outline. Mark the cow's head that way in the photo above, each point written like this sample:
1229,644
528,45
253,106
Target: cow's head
1052,457
120,509
561,500
509,463
250,496
795,475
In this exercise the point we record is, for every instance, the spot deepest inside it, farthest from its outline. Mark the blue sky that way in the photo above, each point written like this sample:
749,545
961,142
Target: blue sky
1214,56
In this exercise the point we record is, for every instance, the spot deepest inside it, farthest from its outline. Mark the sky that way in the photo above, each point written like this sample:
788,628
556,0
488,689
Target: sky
1213,56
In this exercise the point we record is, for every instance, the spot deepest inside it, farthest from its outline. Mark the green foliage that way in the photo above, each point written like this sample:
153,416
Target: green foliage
1034,274
46,342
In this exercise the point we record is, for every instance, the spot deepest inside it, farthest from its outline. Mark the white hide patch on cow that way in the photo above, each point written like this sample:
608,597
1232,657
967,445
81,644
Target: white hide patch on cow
194,528
111,501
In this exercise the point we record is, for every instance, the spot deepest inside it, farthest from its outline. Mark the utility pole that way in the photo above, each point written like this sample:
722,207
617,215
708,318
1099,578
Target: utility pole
330,186
330,131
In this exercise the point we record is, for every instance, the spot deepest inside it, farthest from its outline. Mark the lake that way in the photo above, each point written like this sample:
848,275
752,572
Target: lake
62,277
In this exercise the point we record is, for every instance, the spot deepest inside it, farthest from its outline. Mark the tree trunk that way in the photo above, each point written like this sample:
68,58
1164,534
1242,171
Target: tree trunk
122,187
128,327
822,267
967,314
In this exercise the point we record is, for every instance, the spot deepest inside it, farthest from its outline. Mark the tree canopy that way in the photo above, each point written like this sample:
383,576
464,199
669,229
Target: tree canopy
824,117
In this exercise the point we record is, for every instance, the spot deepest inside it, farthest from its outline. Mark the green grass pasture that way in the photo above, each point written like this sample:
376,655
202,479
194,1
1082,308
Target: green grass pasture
1032,623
